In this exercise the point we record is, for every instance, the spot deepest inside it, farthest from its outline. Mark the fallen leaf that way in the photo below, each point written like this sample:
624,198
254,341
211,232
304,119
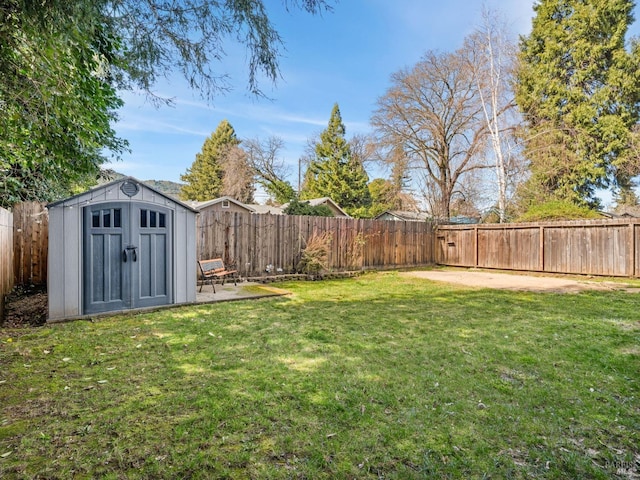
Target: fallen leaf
6,454
66,359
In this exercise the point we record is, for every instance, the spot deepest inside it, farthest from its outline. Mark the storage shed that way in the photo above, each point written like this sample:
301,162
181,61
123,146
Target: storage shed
119,246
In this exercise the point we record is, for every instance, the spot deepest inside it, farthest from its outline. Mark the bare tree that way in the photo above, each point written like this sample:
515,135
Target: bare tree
491,56
433,114
268,169
237,179
363,149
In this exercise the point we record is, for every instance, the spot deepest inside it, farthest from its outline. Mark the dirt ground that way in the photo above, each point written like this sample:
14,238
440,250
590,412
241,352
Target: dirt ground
26,307
509,281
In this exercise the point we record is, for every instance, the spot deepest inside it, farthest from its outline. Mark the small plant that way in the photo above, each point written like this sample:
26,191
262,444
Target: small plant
315,256
355,251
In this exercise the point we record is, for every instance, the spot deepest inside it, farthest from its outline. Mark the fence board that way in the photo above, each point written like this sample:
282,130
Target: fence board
596,247
30,243
6,257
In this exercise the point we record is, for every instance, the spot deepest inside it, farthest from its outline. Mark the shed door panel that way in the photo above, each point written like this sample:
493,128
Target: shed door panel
152,272
127,256
106,282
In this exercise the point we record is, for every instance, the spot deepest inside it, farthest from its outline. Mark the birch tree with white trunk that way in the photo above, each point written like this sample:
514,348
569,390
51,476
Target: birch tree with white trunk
491,55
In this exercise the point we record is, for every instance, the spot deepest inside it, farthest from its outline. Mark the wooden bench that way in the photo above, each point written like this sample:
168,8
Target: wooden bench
213,269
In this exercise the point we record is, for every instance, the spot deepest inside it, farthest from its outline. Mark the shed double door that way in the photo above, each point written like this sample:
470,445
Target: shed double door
126,256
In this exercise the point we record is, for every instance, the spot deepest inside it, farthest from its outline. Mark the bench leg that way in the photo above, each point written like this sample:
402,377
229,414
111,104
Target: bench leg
234,276
204,282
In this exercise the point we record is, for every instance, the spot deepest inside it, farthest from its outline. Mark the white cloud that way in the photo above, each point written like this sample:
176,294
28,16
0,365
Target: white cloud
149,125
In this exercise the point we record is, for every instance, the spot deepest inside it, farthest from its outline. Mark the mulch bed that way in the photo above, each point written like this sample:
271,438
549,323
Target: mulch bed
26,306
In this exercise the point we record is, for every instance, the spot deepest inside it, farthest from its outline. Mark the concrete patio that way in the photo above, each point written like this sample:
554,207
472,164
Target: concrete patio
230,292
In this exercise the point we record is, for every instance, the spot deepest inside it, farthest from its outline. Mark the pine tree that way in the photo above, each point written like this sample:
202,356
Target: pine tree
334,172
204,180
579,89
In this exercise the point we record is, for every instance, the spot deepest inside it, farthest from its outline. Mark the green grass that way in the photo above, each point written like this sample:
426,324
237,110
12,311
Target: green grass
382,376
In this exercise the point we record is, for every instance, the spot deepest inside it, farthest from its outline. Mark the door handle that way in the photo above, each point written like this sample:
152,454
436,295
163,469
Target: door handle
125,256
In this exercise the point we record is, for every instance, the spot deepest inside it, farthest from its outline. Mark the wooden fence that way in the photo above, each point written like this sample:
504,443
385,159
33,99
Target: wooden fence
255,242
595,247
600,247
6,257
30,243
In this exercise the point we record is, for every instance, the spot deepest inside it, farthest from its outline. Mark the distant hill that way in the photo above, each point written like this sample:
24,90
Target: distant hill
165,186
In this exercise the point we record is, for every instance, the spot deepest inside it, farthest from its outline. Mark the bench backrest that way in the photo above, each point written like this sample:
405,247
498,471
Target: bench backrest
211,266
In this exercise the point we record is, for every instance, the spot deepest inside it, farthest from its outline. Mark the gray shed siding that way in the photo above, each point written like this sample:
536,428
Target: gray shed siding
65,268
185,256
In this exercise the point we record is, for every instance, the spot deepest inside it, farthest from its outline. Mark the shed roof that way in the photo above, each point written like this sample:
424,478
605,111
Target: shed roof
201,205
108,185
314,202
407,216
266,209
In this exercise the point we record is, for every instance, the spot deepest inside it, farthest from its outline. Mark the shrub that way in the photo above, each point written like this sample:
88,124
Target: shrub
557,210
315,256
297,207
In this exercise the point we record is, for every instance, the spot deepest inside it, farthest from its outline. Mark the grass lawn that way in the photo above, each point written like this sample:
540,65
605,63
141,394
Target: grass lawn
380,376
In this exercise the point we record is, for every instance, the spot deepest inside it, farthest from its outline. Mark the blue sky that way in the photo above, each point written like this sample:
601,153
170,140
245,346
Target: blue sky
344,57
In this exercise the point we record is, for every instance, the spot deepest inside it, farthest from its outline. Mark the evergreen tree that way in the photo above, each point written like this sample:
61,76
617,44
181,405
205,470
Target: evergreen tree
384,196
579,89
204,180
334,172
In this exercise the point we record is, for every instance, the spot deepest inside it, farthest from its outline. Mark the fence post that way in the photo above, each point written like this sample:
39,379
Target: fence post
476,246
632,247
541,250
